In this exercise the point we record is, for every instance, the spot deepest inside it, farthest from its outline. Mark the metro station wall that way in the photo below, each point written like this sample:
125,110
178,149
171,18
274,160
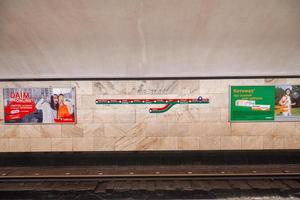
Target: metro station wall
133,128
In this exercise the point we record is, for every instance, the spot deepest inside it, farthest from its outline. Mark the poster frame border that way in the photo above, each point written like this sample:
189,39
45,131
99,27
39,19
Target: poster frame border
251,121
41,124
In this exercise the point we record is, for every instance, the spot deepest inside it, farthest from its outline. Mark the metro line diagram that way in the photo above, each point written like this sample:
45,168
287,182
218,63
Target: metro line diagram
168,103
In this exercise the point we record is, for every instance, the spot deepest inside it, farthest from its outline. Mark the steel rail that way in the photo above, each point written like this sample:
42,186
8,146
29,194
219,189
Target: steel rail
235,176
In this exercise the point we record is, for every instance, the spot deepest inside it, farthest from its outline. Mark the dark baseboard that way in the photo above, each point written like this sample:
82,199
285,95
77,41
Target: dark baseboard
232,157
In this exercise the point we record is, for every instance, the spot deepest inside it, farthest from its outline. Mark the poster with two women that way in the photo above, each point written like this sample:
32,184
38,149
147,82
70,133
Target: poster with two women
39,105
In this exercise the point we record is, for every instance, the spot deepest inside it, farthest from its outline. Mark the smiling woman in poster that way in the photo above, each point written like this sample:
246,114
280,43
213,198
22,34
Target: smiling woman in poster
65,108
286,102
49,109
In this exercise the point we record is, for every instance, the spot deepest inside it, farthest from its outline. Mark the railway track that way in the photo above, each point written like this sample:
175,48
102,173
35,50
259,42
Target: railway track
183,172
157,187
250,176
153,183
152,180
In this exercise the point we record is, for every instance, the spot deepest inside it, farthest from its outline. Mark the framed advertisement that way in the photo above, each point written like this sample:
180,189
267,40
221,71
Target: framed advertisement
39,105
252,103
265,103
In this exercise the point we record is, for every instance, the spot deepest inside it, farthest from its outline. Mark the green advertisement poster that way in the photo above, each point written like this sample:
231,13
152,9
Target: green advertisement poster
252,103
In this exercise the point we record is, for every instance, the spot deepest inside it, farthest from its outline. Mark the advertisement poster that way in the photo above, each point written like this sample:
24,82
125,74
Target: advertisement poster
287,103
39,105
265,103
252,103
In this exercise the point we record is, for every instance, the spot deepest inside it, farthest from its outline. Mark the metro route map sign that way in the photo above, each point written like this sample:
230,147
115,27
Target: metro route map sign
168,103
